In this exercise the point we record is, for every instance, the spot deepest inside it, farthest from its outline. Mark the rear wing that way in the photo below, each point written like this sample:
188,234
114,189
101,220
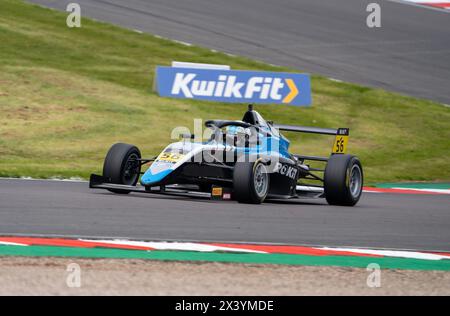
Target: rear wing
340,141
306,129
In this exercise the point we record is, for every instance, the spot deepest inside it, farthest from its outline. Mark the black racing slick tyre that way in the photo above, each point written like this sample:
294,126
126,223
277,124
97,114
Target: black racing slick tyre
121,166
343,180
251,182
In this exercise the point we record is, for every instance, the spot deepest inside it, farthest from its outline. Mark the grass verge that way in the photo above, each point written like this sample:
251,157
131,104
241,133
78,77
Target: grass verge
67,94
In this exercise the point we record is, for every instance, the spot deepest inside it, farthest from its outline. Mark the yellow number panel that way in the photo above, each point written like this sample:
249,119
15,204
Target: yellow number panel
341,141
169,157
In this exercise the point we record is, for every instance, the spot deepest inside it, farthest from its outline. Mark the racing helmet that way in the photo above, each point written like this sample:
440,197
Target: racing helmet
237,135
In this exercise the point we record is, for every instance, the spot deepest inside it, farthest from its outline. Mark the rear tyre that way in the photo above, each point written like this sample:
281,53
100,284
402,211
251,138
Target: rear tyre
251,182
121,166
343,180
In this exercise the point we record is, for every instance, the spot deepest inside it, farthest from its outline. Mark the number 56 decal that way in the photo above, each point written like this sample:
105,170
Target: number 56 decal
169,157
341,141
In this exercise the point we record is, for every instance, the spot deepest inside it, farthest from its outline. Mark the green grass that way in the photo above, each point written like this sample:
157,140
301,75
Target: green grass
67,94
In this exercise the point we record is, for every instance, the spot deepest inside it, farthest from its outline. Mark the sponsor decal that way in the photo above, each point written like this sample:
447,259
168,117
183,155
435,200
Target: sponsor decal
217,191
286,170
235,86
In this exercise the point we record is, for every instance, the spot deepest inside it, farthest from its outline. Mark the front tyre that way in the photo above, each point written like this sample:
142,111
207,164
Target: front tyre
251,182
122,166
343,180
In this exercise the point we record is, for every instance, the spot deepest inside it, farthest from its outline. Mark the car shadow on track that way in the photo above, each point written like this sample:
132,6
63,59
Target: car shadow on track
198,199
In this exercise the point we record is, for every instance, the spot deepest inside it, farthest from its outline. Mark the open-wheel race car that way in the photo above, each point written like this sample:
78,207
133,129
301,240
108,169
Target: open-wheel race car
248,161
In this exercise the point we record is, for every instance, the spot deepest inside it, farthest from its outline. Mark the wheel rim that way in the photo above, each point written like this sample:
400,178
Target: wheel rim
355,181
261,180
131,170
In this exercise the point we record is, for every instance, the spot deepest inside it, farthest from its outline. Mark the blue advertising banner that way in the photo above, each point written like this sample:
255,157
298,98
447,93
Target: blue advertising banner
237,86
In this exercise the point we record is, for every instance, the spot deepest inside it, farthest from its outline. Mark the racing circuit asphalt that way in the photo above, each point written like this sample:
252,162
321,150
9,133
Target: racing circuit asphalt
45,207
409,54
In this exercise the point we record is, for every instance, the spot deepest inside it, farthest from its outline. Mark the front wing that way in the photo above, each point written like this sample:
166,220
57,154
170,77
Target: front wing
100,182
